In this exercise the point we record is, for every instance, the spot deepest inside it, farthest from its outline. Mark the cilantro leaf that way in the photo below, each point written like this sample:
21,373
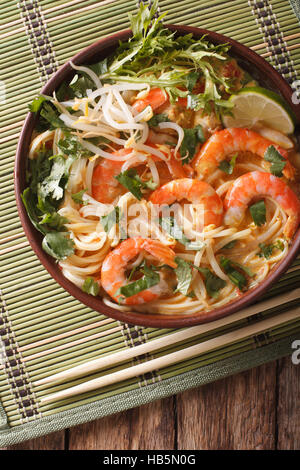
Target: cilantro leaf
266,251
213,283
276,159
233,271
54,184
229,245
191,139
258,213
51,115
170,225
191,79
54,220
29,201
110,220
228,167
80,84
77,197
150,279
70,145
58,245
37,103
131,180
157,119
90,286
184,275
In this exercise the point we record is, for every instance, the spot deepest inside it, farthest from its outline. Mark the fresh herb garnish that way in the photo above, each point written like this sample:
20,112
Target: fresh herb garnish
150,279
157,119
49,114
70,145
36,104
170,225
192,137
229,245
258,213
110,220
192,78
233,271
276,159
57,244
177,62
228,167
266,251
77,197
184,275
90,286
213,283
131,180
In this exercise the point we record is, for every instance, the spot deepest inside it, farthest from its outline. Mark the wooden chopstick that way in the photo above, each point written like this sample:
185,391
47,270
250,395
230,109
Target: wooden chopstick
175,357
124,355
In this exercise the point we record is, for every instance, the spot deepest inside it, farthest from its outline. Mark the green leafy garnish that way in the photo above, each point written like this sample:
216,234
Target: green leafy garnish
54,220
80,84
184,275
235,272
90,286
229,245
258,213
150,278
110,220
266,251
51,115
192,78
213,283
157,119
192,137
276,159
36,104
170,225
176,64
70,145
228,167
58,245
77,197
53,185
131,180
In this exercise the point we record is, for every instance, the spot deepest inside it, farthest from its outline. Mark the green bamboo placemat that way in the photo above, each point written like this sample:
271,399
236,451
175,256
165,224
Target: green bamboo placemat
42,328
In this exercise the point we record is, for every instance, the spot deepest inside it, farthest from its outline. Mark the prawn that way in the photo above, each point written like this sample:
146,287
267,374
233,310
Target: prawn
195,191
113,272
106,188
155,98
257,183
227,141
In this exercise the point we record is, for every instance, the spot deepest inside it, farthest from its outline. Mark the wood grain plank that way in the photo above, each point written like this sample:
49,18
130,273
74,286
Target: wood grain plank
54,441
148,427
234,413
288,405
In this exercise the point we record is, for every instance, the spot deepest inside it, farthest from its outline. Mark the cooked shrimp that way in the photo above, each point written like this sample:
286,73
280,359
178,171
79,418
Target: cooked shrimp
105,187
257,183
195,191
113,273
155,98
227,141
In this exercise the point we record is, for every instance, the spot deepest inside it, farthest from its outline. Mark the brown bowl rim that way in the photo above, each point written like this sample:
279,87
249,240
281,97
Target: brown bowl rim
145,319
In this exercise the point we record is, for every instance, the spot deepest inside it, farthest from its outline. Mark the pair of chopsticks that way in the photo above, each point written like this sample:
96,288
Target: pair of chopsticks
172,358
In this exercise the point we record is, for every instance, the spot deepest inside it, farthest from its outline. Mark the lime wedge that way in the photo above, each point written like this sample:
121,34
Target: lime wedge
257,105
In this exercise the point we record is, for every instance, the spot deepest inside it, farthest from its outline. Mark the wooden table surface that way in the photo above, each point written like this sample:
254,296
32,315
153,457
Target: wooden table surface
256,409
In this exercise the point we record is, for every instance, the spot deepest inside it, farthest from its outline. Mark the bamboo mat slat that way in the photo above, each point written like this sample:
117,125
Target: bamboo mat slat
43,330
